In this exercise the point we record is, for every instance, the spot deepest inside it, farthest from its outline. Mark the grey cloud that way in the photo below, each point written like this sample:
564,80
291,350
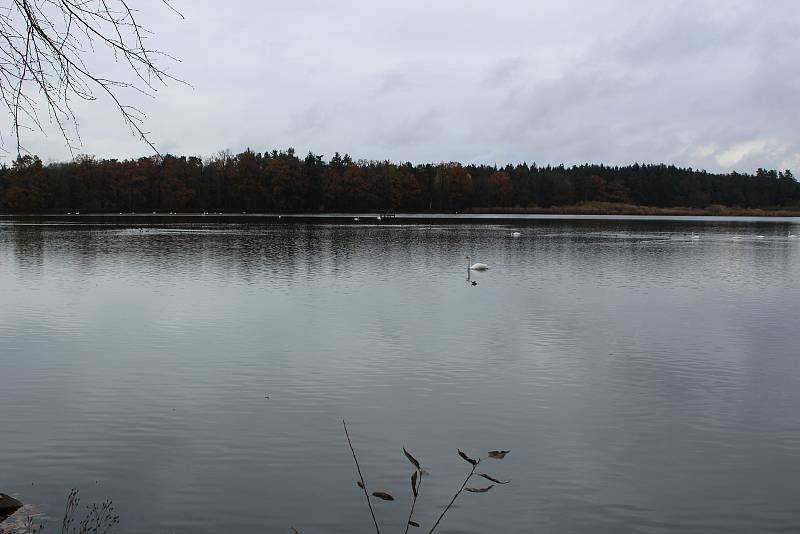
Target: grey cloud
397,79
308,120
702,83
407,132
504,71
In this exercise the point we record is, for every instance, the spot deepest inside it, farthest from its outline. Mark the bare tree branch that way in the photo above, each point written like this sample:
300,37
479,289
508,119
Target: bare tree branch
45,46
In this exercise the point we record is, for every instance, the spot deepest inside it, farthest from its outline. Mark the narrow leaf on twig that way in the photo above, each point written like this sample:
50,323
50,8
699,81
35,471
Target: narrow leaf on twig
382,495
361,478
360,484
479,490
414,483
295,531
487,477
413,524
467,458
498,455
411,458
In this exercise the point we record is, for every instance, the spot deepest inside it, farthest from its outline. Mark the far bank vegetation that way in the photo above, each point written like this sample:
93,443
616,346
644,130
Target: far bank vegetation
281,181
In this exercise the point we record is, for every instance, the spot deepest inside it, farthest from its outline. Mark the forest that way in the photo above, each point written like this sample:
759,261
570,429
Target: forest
280,181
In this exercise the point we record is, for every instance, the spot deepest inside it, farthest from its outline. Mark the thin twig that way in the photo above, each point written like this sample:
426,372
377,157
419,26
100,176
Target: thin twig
414,502
44,45
472,472
361,477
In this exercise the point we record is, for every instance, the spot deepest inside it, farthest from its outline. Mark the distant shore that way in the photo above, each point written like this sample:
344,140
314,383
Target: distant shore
610,208
283,182
597,209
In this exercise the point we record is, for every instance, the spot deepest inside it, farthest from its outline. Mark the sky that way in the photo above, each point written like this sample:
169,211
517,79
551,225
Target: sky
701,83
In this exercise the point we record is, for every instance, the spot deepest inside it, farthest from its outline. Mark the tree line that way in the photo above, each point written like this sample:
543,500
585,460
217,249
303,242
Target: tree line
280,181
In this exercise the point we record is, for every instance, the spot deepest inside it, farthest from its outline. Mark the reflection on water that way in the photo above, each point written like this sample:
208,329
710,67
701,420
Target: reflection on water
644,380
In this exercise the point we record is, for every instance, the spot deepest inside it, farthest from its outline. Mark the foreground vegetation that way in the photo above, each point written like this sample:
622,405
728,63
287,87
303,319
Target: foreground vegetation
102,519
284,182
416,484
97,519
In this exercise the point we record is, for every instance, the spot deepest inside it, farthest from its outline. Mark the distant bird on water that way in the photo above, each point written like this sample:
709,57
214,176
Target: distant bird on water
476,266
474,283
516,234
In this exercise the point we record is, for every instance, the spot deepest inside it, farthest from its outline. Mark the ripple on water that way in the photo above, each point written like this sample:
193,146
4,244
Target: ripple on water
644,381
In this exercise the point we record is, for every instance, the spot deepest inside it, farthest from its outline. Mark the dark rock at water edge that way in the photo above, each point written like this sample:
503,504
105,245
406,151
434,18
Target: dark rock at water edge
8,505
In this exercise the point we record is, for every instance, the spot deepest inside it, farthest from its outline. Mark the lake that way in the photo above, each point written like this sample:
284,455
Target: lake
196,370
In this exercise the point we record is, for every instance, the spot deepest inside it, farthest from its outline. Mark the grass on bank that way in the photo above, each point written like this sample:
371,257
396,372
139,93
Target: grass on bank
614,208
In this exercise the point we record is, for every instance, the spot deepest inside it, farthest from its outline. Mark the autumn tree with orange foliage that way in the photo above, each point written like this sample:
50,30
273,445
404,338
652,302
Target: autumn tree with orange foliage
279,181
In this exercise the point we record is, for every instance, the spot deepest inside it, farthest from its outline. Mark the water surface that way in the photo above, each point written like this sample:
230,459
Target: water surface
645,381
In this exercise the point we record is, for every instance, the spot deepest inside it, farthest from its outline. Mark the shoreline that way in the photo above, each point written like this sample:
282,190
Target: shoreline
578,210
607,208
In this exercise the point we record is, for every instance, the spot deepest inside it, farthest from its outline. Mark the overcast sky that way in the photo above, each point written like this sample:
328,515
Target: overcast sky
701,83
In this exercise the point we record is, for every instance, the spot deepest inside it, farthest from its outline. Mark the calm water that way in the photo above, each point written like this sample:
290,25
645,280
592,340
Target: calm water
645,381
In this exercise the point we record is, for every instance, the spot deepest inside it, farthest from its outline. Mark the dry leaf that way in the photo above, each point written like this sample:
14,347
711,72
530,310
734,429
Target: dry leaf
467,458
487,477
411,458
413,524
360,484
479,490
414,483
498,455
383,495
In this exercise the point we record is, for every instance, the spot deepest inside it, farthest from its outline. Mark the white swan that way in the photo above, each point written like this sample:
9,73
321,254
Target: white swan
516,234
476,266
356,219
695,236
